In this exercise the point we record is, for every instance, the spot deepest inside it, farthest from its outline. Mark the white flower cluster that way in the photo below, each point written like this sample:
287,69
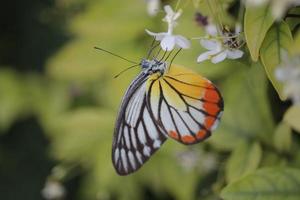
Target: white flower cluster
220,46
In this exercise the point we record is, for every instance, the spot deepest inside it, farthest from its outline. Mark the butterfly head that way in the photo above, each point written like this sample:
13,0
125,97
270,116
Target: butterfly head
153,66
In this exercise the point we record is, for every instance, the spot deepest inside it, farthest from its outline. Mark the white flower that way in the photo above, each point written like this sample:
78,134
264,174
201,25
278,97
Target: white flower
168,40
220,47
153,7
279,7
171,17
288,72
216,51
211,30
190,160
53,190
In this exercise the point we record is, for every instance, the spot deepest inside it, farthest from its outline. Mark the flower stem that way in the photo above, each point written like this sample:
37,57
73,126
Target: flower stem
214,13
241,13
177,5
220,12
216,37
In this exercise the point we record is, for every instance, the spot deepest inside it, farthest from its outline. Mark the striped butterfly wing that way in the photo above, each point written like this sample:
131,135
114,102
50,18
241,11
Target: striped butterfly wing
136,135
185,105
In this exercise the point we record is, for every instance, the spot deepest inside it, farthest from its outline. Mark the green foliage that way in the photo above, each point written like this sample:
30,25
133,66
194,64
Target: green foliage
292,117
278,38
11,99
295,48
248,96
257,22
76,102
264,184
244,159
283,137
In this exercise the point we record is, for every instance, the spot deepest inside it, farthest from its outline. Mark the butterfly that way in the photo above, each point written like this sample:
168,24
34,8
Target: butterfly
163,101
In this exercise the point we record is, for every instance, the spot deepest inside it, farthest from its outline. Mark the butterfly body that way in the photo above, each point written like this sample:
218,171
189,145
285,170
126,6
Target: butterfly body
163,102
153,66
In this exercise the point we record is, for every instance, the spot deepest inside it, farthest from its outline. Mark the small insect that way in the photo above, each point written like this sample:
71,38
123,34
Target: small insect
163,101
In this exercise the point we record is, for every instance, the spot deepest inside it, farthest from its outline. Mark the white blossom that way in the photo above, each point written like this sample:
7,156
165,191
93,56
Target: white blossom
279,7
168,40
153,7
220,47
288,72
192,159
53,190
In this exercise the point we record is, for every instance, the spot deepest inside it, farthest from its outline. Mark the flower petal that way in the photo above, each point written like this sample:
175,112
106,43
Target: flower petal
219,58
168,43
234,54
204,56
168,9
210,44
182,42
153,7
158,36
284,73
171,16
211,29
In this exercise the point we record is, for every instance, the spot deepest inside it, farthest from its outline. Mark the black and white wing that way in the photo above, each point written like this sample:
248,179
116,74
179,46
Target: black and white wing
136,135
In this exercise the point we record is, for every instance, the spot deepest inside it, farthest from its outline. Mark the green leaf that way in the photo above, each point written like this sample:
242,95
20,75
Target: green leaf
292,117
279,37
79,135
271,158
247,113
265,184
243,160
282,137
13,100
257,22
295,48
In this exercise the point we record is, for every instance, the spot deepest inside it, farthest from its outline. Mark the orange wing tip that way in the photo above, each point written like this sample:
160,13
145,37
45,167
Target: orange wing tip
174,135
188,139
201,134
209,122
211,108
212,95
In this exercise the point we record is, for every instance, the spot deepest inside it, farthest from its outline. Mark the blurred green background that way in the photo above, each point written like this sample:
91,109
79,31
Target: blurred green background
59,100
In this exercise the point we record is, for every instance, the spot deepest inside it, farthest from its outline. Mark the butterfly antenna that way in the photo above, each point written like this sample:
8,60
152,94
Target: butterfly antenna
157,54
163,56
152,47
111,53
116,76
169,55
175,56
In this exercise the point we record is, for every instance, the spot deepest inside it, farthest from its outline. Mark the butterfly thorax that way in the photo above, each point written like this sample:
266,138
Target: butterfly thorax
153,66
